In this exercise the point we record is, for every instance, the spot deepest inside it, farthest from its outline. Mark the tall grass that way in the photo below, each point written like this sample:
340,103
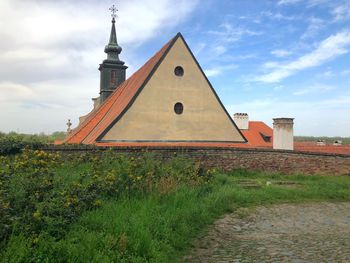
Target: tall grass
345,140
160,225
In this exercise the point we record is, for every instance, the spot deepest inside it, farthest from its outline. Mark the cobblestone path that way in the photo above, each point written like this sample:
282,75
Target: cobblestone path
317,232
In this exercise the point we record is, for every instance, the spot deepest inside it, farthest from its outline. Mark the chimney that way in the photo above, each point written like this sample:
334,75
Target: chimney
241,120
96,101
283,138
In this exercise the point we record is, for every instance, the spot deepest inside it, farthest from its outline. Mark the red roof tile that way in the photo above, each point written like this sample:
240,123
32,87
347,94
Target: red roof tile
98,120
312,147
254,134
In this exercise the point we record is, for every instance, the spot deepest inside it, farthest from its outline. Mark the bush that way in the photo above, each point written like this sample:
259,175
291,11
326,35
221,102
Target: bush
148,210
13,143
35,198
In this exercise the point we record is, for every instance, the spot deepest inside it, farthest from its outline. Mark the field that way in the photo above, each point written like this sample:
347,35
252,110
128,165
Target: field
117,208
328,140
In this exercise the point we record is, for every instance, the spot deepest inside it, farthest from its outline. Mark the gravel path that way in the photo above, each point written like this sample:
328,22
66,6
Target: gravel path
317,232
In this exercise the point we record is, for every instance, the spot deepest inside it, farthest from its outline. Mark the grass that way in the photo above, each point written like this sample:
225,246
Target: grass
345,140
160,227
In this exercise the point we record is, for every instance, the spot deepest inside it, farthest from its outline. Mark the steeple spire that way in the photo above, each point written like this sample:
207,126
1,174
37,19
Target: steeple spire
112,69
113,49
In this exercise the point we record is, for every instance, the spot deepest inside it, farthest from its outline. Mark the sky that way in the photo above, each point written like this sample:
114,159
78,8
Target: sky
268,58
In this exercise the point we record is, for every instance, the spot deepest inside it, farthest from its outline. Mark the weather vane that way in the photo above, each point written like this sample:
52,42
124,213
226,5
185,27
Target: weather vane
114,10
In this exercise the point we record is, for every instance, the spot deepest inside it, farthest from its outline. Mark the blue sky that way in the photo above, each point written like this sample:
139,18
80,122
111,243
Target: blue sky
281,58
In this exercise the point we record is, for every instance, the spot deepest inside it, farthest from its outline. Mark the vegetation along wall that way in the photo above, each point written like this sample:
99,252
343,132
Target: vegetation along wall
288,162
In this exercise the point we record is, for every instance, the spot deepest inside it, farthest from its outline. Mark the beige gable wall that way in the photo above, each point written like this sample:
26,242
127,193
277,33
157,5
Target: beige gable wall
152,116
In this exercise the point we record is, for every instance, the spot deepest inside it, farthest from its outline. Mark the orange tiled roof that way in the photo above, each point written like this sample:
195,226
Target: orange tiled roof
254,134
99,119
313,147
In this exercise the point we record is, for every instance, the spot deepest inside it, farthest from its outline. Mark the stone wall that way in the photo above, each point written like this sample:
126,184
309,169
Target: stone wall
288,162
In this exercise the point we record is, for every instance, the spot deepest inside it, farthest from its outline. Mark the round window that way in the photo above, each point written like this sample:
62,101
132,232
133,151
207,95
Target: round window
178,108
179,71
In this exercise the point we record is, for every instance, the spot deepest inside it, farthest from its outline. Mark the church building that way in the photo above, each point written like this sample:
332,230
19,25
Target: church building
168,101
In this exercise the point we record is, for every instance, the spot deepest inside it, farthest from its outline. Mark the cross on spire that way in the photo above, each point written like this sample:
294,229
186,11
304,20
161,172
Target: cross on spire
114,11
113,49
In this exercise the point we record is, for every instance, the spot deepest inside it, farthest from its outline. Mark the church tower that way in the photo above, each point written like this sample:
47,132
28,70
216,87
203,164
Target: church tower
112,69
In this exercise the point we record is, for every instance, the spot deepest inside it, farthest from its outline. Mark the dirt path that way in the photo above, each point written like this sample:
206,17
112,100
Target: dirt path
317,232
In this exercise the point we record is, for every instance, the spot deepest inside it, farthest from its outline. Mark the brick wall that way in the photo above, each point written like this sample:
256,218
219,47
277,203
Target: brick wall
288,162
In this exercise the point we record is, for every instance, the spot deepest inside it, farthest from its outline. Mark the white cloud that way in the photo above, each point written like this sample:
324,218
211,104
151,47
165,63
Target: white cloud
50,51
316,24
199,48
230,33
327,74
278,16
14,92
281,53
309,3
221,40
219,50
271,64
316,88
345,72
328,49
212,72
279,87
341,12
215,71
313,3
329,111
52,23
288,2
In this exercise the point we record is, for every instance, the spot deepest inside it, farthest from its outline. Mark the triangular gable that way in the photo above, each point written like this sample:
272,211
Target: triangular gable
88,130
150,115
104,118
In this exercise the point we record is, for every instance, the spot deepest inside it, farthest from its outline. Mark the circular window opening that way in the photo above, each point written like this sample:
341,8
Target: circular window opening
179,71
178,108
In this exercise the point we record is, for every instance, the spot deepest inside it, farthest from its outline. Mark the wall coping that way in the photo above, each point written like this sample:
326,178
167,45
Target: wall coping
183,149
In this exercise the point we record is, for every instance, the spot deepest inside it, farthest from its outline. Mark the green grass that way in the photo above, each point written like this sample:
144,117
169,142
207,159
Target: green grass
345,140
160,227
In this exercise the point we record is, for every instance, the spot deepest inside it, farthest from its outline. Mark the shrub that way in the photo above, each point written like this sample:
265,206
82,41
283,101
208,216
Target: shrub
35,198
13,143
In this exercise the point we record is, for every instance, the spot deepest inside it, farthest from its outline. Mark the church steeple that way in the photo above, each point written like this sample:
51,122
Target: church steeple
112,69
113,49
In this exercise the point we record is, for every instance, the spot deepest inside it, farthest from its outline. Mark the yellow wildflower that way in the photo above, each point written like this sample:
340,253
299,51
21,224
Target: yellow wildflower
36,215
98,202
